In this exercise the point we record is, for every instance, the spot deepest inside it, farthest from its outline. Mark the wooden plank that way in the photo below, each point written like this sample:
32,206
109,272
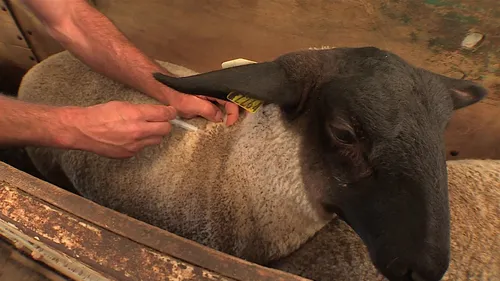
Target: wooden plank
42,44
101,241
94,253
10,33
15,56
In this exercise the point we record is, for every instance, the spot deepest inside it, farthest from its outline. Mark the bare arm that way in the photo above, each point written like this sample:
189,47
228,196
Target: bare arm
93,38
133,127
29,124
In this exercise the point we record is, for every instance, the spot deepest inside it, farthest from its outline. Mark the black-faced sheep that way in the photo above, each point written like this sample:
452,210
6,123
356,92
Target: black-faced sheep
356,132
337,253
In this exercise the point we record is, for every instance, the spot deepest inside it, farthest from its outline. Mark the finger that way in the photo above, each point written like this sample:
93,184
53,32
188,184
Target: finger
232,111
204,97
223,102
157,113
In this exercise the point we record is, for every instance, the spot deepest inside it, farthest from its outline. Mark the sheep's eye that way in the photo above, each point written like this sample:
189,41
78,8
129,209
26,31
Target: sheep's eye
344,136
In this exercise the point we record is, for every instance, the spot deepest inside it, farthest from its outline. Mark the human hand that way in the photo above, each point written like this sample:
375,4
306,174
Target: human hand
189,106
118,129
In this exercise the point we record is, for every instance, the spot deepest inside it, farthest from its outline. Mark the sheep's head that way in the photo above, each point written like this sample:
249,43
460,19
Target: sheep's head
373,129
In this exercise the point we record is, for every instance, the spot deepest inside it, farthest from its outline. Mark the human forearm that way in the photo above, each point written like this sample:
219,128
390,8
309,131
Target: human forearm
24,124
94,39
114,129
106,50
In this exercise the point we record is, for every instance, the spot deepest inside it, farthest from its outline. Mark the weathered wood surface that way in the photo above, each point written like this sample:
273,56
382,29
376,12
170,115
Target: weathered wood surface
42,44
88,242
9,33
16,56
14,50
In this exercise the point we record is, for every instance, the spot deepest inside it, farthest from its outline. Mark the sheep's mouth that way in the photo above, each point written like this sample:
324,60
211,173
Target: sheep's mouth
332,209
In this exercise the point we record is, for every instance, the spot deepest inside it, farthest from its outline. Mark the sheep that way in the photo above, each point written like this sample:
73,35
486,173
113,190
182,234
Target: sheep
337,253
355,132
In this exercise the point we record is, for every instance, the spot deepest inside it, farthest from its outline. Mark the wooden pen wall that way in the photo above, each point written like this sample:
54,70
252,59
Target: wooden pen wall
23,43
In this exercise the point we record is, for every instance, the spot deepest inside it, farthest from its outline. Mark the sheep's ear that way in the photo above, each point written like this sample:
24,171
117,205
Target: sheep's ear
265,81
464,92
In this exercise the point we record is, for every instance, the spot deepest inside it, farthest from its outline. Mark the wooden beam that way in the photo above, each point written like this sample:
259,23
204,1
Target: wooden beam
42,44
9,33
14,49
84,240
16,56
